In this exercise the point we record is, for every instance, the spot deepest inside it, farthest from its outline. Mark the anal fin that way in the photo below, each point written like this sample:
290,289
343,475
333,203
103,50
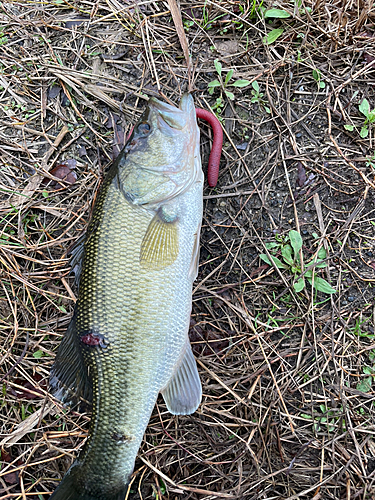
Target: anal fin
69,381
183,392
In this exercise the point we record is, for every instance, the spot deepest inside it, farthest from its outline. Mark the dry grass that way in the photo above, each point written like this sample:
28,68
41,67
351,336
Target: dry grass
288,406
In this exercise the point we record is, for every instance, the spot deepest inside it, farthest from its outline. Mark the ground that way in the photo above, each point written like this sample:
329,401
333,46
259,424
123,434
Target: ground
287,365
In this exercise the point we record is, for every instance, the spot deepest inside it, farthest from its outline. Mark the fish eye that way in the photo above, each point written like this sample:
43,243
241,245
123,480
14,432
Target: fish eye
144,128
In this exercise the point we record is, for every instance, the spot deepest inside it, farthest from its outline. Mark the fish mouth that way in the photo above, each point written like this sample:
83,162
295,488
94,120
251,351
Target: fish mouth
176,118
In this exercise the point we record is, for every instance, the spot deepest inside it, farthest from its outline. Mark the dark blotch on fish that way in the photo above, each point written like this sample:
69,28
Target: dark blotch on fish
93,339
121,438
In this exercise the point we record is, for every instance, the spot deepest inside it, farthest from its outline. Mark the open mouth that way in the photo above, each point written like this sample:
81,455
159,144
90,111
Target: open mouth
174,117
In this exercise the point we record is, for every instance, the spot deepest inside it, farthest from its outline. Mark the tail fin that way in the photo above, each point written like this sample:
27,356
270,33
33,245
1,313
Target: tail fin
70,489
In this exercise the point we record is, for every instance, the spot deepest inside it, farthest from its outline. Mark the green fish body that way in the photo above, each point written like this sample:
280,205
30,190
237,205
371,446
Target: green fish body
128,338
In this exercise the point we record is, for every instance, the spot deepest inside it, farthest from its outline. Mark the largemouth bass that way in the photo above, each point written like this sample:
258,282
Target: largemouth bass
128,338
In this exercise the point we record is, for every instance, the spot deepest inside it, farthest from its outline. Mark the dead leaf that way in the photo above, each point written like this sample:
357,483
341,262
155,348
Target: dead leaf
63,171
227,48
10,477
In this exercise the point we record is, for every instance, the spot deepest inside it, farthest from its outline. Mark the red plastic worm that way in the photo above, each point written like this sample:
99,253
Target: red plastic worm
217,145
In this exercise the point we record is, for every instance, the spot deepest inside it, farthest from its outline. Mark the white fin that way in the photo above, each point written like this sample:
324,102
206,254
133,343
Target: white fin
183,392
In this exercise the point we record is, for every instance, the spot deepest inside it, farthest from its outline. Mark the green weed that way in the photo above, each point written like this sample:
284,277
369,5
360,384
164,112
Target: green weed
3,37
317,75
290,247
258,96
224,84
328,418
371,161
369,115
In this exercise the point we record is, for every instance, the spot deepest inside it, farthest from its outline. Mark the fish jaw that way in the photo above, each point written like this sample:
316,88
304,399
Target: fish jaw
162,154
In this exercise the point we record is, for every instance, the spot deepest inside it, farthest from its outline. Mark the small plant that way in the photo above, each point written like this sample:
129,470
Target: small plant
257,96
3,37
365,384
317,75
358,331
223,84
329,418
371,161
365,109
290,248
188,24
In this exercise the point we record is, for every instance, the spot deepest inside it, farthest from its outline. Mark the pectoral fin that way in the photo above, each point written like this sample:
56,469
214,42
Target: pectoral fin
183,393
160,244
69,381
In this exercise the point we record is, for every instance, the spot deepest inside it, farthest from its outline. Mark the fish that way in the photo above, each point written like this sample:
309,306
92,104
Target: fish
128,337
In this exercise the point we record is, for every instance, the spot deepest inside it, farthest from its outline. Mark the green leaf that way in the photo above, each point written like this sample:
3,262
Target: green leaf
45,193
322,285
214,83
371,116
255,86
322,254
37,354
230,95
240,83
286,252
295,241
367,370
364,385
316,75
272,244
267,110
277,261
163,488
217,66
322,85
276,13
349,127
273,36
364,107
364,132
299,285
229,76
319,264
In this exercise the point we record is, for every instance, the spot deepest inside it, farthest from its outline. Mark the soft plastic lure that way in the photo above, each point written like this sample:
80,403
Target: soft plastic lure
217,145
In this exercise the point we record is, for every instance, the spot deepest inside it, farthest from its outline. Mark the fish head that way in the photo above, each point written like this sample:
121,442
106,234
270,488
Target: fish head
162,154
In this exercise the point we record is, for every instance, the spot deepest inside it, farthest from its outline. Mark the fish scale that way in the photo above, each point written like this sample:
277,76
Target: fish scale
128,339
